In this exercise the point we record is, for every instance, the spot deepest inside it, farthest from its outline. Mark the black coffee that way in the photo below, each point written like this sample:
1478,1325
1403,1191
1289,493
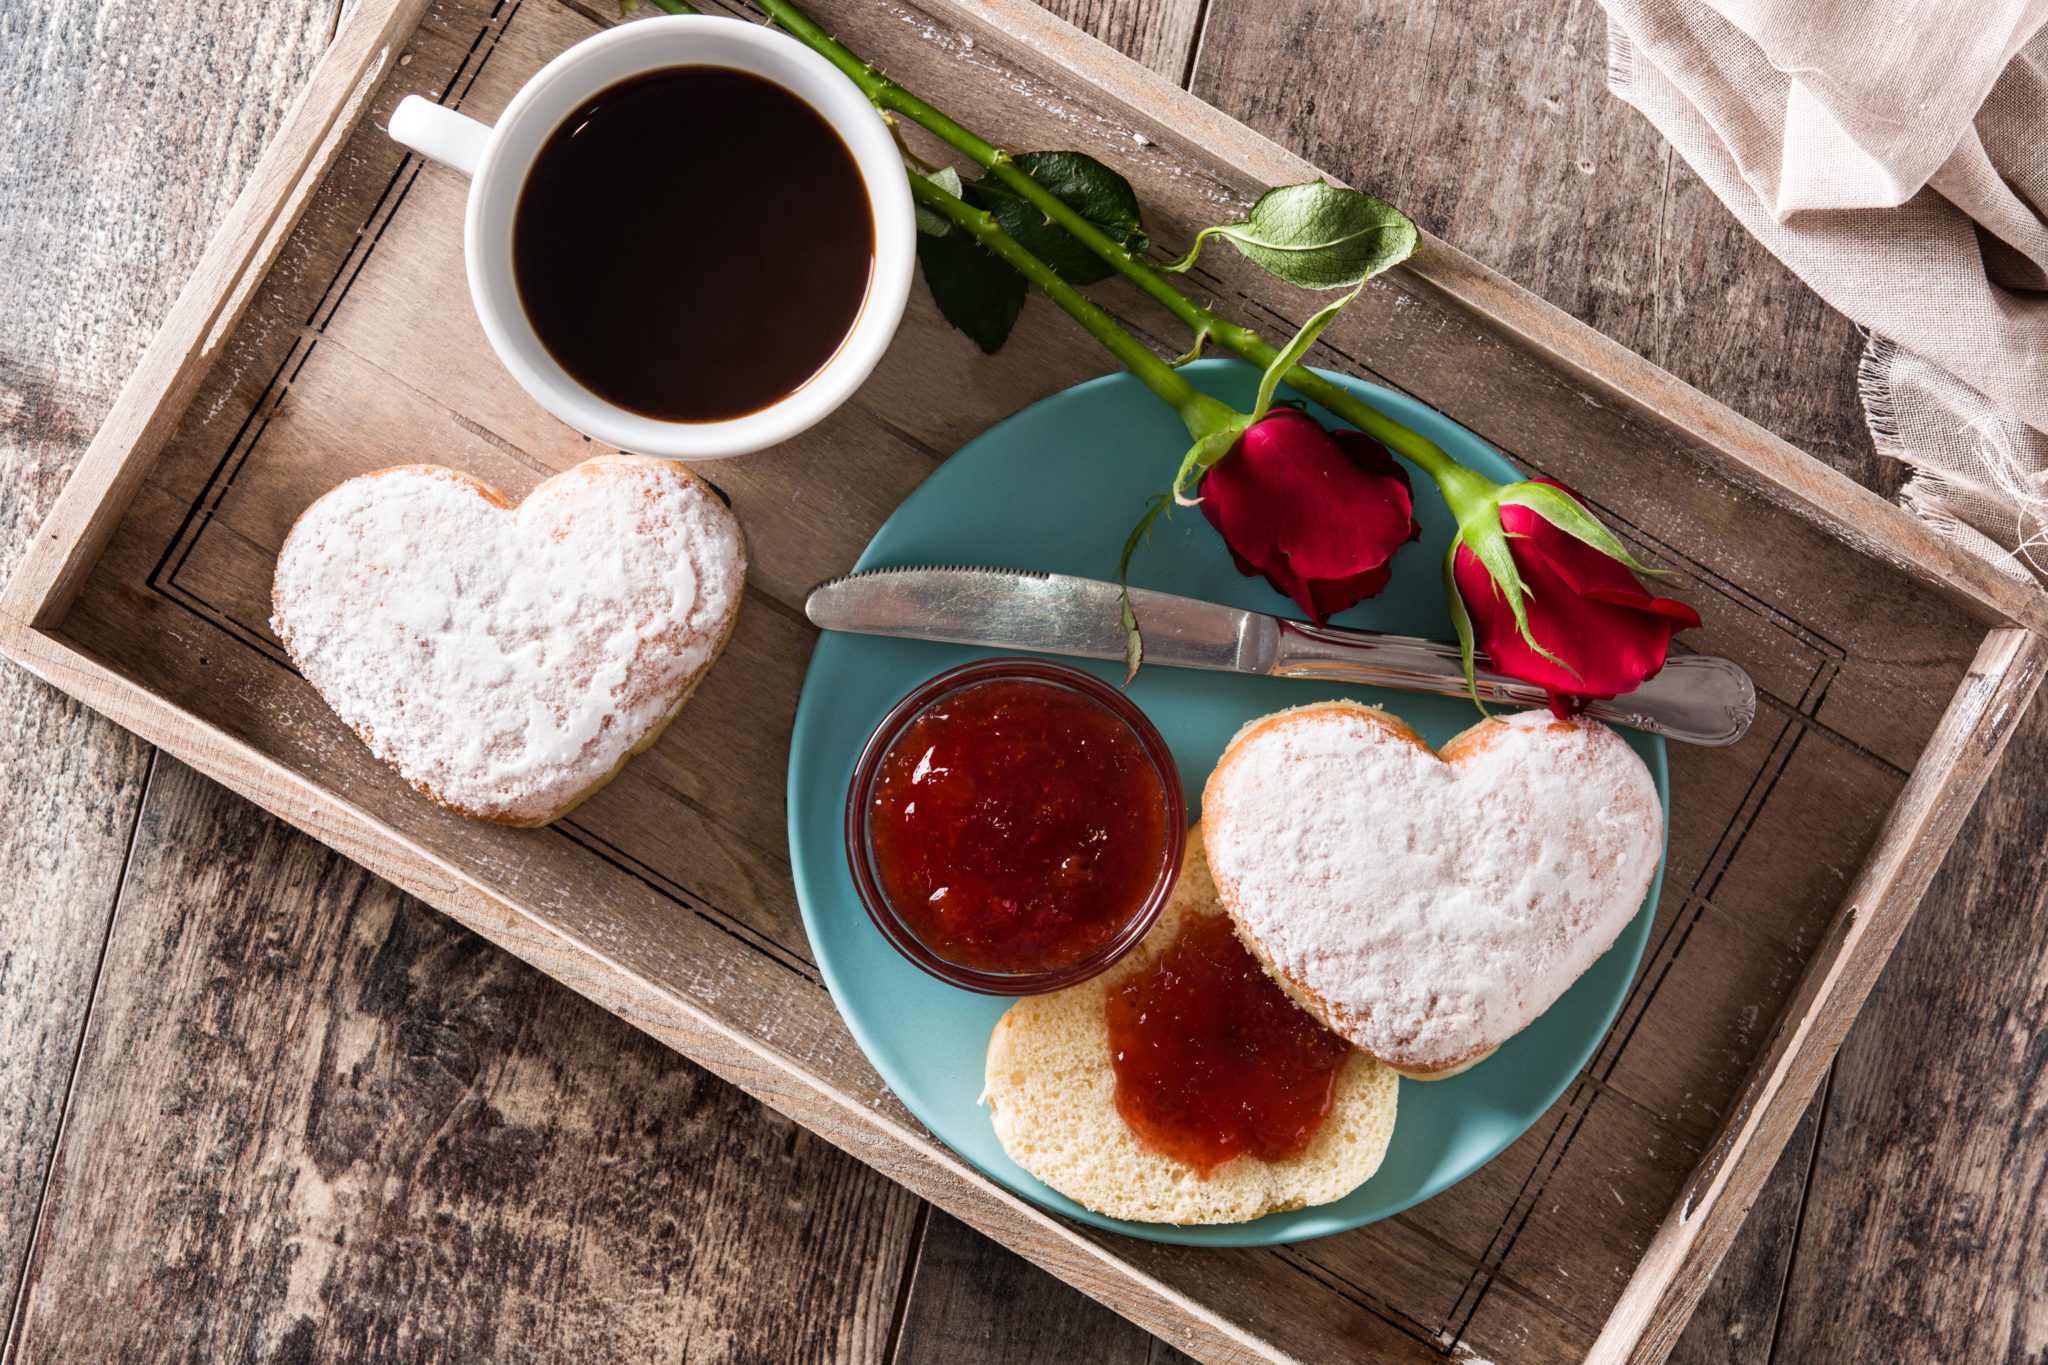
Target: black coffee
693,244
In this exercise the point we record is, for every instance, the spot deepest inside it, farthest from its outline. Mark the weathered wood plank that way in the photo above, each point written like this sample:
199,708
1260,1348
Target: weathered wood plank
121,130
1161,34
1436,279
70,785
248,240
1532,167
1926,1233
1736,1322
1591,1225
973,1303
1536,417
1490,122
1879,904
329,1123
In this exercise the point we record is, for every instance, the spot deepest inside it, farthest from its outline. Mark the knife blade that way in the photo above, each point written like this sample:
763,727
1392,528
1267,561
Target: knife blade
1697,698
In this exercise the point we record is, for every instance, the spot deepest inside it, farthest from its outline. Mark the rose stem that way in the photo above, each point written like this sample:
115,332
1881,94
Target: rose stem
1202,413
1461,486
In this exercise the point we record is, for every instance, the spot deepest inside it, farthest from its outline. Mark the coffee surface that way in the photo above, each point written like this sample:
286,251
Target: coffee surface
693,244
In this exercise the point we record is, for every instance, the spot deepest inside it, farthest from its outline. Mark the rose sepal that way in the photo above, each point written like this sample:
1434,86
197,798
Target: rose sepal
1570,516
1480,530
1531,555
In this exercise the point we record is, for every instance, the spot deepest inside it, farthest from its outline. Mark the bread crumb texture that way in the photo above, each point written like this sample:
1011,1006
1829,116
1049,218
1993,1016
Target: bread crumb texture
1428,908
507,661
1051,1090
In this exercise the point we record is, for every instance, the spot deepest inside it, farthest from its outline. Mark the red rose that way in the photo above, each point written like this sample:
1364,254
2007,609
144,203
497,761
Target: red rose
1318,513
1607,635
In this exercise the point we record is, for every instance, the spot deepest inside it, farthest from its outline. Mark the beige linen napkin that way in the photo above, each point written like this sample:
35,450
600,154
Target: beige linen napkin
1893,153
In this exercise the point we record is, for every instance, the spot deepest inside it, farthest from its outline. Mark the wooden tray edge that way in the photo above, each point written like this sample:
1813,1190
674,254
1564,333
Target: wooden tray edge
1916,836
1667,1282
909,1157
1738,448
1673,1271
262,217
208,308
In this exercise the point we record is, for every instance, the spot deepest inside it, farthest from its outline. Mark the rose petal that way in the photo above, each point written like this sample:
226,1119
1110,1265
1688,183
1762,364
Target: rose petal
1607,635
1319,517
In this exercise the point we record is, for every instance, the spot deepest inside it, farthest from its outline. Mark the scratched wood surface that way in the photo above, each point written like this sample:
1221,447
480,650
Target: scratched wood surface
420,1179
1739,923
122,128
1925,1228
1761,849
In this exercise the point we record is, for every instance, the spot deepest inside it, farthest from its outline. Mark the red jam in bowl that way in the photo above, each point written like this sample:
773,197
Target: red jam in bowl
1213,1060
1021,827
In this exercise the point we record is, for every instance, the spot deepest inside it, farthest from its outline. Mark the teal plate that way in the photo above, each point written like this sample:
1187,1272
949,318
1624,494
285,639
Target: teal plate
1056,488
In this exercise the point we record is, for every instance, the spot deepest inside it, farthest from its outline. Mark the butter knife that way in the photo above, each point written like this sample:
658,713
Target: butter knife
1697,698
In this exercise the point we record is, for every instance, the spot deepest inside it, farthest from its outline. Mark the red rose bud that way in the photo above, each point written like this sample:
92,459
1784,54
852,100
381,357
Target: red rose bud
1586,607
1318,513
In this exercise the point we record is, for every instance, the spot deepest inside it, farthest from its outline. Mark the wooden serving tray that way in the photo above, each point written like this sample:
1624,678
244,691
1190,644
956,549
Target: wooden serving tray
328,332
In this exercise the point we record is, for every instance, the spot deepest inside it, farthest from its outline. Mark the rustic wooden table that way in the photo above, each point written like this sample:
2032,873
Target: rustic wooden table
200,1006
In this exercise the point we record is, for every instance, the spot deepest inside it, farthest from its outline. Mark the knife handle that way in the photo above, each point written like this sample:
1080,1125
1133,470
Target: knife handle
1697,698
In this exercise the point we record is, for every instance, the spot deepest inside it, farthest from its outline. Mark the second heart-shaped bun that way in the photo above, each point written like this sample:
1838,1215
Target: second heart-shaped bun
1427,907
507,661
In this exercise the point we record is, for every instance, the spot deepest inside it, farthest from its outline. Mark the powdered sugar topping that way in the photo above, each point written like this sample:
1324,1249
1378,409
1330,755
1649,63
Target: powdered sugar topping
1433,908
505,661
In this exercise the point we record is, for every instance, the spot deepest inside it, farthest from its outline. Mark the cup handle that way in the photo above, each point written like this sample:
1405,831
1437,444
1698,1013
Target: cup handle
440,133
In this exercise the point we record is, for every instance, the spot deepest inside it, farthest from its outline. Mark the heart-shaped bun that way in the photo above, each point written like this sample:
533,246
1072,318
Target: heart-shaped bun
1429,907
507,661
1051,1090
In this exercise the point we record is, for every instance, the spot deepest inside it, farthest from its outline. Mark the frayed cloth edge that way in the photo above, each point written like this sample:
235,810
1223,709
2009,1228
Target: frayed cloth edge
1921,496
1880,403
1621,58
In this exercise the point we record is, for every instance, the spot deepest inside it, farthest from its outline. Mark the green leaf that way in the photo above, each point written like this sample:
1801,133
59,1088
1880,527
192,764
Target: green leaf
1317,235
1461,620
976,291
1572,517
980,294
1296,349
1084,185
931,222
1134,643
1203,454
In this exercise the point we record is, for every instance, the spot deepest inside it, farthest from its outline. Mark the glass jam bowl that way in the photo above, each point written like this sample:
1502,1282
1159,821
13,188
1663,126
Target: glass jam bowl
1015,826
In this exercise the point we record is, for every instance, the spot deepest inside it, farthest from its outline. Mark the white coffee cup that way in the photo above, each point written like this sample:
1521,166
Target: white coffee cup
497,160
